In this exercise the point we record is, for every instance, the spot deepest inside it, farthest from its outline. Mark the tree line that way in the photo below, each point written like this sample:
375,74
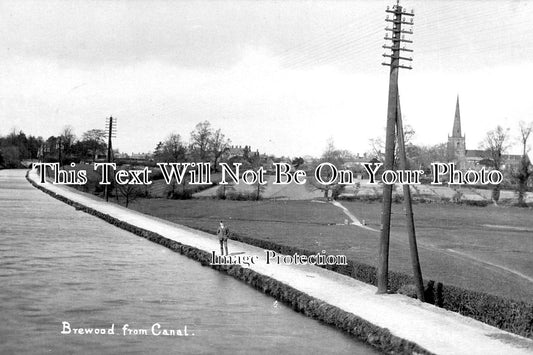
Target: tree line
209,144
205,144
16,147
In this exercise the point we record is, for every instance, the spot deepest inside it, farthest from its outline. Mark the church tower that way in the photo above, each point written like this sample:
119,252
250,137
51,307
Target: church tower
456,142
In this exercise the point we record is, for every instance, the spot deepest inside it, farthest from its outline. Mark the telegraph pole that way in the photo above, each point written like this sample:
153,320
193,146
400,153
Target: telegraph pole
398,36
417,272
59,147
111,128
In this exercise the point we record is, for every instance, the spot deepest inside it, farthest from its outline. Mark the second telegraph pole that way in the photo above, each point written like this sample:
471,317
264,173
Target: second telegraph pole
111,127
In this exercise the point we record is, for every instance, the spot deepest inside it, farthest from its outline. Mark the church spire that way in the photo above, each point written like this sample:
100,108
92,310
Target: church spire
457,121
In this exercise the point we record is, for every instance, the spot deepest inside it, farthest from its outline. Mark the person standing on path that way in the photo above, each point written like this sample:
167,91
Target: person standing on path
223,233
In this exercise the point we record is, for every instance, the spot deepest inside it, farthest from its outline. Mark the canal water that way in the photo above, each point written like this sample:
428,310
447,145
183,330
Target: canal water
62,269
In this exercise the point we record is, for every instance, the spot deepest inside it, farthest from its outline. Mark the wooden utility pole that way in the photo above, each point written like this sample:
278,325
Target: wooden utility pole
396,39
59,147
408,207
111,128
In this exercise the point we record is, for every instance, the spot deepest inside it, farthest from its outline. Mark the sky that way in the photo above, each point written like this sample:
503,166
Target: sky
281,76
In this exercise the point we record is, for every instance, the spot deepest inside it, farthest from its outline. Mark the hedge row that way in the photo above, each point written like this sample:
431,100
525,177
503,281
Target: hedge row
361,329
509,315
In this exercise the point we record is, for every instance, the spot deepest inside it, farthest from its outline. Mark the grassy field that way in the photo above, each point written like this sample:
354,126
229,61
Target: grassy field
482,248
488,249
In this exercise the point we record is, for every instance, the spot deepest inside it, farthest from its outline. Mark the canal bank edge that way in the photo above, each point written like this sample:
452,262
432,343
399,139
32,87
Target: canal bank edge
380,338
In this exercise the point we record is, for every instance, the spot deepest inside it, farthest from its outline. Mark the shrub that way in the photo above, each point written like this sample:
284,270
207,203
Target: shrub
221,193
242,196
156,174
180,194
483,203
365,198
347,197
337,190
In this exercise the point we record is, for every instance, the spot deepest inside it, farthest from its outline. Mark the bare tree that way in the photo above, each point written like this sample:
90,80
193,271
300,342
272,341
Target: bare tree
93,141
172,150
377,148
525,132
256,162
201,139
421,156
130,192
67,138
378,145
333,156
525,170
496,144
259,189
219,145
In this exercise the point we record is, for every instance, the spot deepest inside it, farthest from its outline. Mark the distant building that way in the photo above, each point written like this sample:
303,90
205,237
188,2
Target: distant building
356,165
471,159
356,162
119,155
308,159
237,151
456,151
140,156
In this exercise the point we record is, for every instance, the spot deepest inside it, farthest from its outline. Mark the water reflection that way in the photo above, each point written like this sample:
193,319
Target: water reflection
58,264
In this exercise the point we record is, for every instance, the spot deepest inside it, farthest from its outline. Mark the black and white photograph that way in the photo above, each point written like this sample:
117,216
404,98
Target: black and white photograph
258,177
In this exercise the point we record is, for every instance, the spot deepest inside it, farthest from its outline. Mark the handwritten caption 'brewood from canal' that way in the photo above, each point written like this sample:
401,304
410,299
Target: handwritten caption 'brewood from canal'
156,330
325,174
